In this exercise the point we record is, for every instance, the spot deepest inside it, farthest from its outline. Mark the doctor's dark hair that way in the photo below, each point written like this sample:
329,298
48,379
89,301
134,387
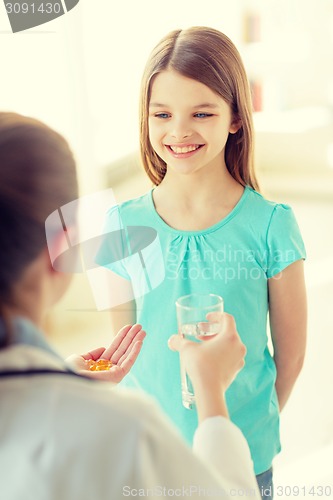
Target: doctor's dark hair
209,57
37,176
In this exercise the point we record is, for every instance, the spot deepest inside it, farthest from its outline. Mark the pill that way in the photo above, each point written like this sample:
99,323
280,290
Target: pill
99,365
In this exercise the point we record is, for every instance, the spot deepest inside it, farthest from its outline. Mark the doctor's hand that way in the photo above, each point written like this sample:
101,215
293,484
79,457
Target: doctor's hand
122,353
212,364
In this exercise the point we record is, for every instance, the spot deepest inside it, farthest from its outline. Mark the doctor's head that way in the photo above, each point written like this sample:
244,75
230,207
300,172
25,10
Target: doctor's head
37,175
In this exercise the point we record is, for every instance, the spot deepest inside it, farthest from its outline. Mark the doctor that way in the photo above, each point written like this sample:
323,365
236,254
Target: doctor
64,436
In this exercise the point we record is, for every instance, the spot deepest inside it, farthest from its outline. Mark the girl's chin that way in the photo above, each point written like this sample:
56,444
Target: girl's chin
182,168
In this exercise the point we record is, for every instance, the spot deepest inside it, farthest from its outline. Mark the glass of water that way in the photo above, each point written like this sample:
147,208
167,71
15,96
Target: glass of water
193,325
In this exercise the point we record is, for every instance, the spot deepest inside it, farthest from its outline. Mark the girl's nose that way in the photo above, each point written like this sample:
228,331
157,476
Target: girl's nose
180,130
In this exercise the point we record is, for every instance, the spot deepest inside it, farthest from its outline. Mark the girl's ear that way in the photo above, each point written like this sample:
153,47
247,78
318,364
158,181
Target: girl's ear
235,125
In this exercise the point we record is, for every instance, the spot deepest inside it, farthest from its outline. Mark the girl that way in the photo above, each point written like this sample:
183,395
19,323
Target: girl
63,436
217,233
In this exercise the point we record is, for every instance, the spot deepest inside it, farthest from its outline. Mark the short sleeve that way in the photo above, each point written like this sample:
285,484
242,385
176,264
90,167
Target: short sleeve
114,248
284,241
131,250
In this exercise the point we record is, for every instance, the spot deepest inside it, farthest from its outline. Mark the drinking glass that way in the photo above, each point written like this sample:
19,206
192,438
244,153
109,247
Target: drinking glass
193,325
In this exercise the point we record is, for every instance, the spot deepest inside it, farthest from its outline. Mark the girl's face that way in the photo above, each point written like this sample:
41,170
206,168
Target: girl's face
188,123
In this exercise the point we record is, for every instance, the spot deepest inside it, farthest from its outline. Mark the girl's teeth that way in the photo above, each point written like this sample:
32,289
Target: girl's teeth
186,149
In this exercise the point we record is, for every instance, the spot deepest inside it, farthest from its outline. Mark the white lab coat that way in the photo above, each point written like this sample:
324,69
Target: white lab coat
67,438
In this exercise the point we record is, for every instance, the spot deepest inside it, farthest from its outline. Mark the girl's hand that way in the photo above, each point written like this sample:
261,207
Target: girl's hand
122,352
213,363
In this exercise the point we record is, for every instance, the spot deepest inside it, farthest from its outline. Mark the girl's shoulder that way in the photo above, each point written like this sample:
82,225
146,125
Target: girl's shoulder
262,208
140,202
138,208
273,220
260,201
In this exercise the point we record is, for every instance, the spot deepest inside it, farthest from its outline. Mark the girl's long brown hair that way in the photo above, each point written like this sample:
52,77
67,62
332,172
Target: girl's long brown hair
209,57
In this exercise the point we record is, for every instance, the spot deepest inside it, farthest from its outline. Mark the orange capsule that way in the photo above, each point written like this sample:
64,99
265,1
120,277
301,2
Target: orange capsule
99,365
103,364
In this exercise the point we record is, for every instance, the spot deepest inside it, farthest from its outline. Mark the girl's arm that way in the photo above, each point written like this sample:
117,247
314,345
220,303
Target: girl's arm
288,321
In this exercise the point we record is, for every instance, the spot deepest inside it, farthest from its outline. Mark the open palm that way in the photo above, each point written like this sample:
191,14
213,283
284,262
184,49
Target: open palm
123,351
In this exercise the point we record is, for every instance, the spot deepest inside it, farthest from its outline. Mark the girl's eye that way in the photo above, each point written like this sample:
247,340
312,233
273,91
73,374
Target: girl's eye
202,115
162,115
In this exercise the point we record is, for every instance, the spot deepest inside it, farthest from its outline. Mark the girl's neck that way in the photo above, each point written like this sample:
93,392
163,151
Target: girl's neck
196,189
194,203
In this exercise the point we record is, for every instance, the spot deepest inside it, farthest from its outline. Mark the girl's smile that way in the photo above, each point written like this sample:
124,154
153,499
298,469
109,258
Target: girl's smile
183,150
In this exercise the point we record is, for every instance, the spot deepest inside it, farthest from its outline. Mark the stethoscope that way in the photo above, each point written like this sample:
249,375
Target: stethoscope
40,371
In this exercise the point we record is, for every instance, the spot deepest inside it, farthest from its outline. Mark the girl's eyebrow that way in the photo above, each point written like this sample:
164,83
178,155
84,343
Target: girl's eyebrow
157,105
204,105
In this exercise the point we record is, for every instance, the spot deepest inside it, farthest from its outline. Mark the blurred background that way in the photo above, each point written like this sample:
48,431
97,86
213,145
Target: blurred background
81,74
